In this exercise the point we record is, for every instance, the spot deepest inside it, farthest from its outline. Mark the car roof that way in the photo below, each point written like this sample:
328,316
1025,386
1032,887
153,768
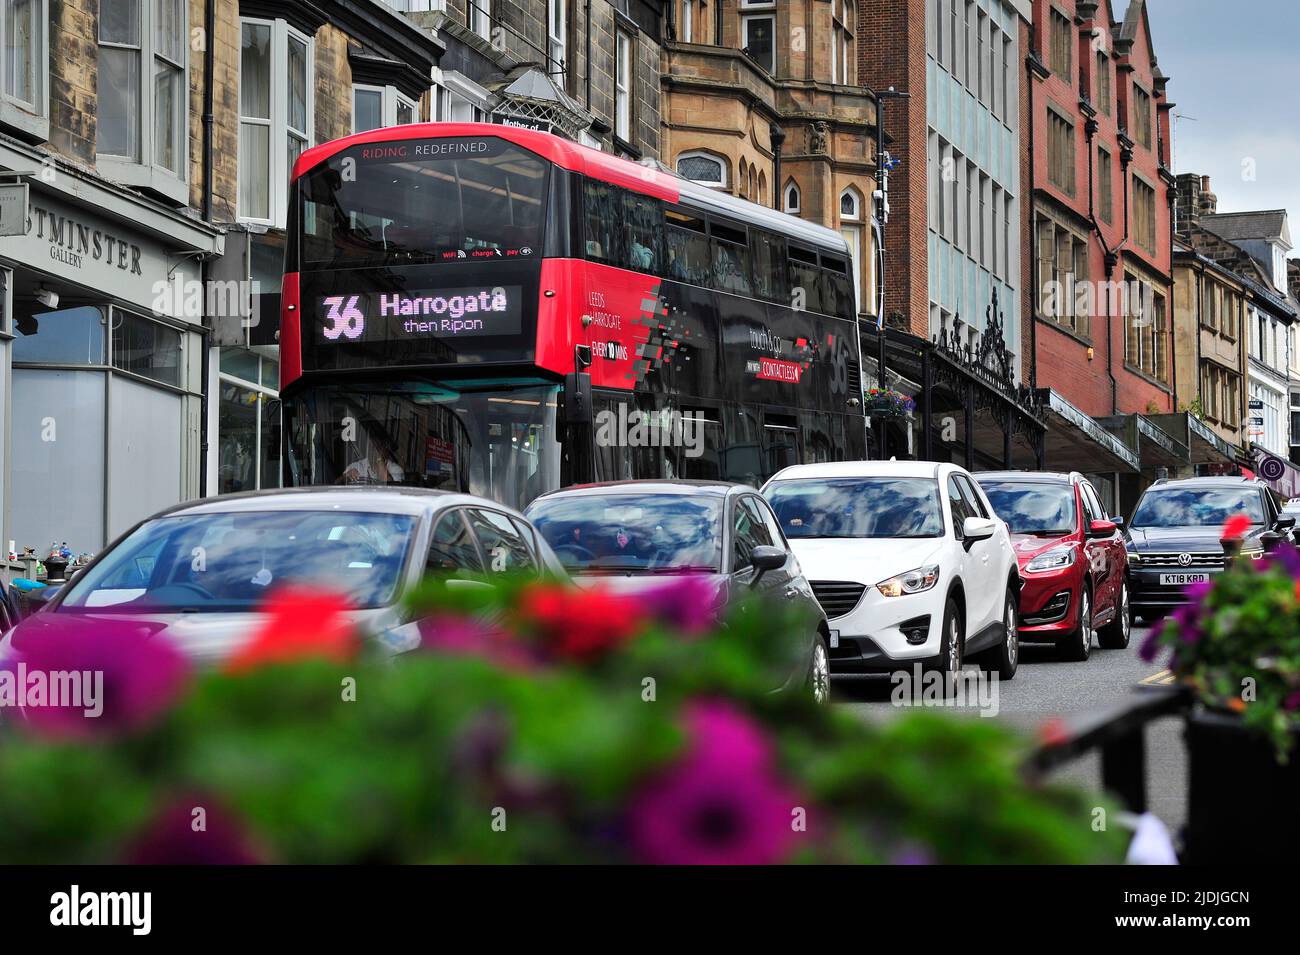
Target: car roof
679,486
1226,480
863,469
376,498
1030,477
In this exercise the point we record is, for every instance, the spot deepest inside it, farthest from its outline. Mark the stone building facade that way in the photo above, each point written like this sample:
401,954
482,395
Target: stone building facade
762,100
585,70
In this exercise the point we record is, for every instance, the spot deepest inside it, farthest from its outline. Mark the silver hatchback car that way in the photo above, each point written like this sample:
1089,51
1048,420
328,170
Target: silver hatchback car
200,572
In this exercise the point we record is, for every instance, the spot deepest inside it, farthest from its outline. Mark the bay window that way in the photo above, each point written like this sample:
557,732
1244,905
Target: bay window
377,106
143,94
275,115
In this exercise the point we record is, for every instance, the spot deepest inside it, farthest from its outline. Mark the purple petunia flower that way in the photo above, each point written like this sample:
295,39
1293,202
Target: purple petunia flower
193,831
457,635
1150,646
912,854
1292,702
690,603
1287,556
100,675
721,804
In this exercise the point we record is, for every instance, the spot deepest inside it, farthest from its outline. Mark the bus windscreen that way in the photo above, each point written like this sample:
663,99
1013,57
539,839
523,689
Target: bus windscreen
422,202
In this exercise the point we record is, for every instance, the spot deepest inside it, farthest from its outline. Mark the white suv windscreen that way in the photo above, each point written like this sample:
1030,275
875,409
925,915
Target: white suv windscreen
857,507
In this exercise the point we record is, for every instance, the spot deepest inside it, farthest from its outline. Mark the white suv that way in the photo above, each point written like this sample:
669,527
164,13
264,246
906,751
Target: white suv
908,561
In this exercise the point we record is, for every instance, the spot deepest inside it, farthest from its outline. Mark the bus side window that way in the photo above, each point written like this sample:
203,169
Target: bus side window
686,248
805,280
769,267
602,209
837,292
643,228
731,259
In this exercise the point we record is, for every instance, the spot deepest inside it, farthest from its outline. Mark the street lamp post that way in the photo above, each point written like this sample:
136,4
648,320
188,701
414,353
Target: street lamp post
883,162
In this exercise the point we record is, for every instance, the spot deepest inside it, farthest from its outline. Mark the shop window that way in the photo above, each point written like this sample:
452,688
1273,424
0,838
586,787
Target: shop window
276,115
248,421
24,65
142,125
71,336
146,348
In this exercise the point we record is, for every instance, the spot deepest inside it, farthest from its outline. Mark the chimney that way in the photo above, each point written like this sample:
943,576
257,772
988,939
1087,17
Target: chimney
1187,206
1209,202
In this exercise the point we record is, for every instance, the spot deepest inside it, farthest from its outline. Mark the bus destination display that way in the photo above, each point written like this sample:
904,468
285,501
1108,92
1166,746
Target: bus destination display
421,314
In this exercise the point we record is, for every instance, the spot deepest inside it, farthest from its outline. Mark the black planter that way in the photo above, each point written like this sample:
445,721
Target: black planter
1241,802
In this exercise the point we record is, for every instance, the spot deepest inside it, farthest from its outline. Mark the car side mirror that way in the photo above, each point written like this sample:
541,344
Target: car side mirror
978,528
1117,521
765,557
1102,528
40,597
1285,523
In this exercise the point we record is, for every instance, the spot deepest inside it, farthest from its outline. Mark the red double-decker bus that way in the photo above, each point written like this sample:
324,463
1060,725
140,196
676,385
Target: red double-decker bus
501,311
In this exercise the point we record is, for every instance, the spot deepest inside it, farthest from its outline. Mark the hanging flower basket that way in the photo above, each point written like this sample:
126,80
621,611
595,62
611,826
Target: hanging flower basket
887,403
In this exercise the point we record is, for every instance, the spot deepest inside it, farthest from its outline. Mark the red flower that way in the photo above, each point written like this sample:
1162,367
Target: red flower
578,624
1235,527
301,623
723,803
1053,732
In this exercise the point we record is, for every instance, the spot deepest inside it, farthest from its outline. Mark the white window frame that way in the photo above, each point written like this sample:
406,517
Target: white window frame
450,83
623,79
30,117
752,11
389,101
842,30
851,228
713,157
480,17
688,21
281,32
791,191
557,36
142,170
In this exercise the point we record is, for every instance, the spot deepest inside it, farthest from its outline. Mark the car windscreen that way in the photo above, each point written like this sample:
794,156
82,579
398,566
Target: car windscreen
1197,507
624,533
230,562
1046,510
857,507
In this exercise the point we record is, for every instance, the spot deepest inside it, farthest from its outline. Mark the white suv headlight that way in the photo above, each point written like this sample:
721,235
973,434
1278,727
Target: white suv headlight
1058,558
912,582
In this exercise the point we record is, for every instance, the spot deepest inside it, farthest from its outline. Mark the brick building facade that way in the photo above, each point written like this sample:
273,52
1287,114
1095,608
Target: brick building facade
1101,217
762,100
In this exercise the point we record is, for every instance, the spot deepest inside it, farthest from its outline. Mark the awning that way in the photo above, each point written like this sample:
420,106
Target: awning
1279,473
1156,448
1076,442
1203,445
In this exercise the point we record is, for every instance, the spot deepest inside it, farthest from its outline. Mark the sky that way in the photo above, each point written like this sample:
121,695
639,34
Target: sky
1231,68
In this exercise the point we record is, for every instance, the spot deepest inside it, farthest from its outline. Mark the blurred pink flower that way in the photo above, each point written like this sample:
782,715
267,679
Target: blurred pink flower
691,603
458,635
721,803
127,677
193,831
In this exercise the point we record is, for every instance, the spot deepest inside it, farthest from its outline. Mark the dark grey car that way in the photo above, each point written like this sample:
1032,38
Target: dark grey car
200,572
634,535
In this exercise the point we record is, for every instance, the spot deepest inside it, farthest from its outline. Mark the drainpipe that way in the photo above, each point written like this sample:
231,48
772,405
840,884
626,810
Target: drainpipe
778,140
1033,232
587,14
209,97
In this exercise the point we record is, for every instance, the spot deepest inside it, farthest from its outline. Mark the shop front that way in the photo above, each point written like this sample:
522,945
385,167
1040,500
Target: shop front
101,347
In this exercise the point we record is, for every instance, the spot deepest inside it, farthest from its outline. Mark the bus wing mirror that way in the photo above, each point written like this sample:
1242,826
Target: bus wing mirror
577,399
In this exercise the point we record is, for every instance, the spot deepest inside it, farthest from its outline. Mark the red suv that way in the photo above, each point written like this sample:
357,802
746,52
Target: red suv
1072,559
